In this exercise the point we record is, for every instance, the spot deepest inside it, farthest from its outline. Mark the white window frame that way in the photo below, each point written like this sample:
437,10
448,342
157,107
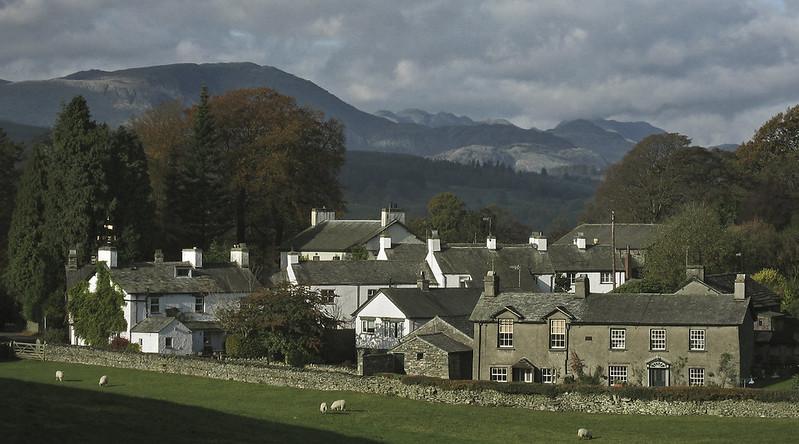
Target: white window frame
154,301
505,333
697,339
199,301
499,374
618,339
696,376
393,328
557,335
548,375
617,374
525,375
606,277
368,326
657,339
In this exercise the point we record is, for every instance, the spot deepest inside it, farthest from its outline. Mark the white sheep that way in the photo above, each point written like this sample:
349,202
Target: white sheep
339,405
59,375
584,434
103,380
323,407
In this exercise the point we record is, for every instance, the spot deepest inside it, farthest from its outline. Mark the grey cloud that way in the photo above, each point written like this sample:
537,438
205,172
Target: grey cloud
714,70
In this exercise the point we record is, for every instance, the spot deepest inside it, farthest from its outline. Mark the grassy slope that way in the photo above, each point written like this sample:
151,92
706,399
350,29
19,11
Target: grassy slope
152,407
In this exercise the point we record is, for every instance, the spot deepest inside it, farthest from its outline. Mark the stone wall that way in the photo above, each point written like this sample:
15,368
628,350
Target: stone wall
422,358
327,378
371,362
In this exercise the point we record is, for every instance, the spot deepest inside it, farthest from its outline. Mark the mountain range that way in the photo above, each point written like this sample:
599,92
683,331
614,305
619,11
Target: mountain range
117,96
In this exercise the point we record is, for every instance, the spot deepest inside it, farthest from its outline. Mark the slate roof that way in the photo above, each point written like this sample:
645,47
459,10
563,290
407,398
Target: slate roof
358,272
637,236
444,342
83,273
149,277
621,308
566,258
407,252
442,302
476,260
762,296
336,235
153,324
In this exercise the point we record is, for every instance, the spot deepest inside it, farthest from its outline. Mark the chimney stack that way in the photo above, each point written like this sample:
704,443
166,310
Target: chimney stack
491,284
385,244
695,271
158,257
580,241
107,254
423,283
320,215
581,287
293,257
193,256
740,287
388,215
491,242
538,241
433,242
72,260
240,255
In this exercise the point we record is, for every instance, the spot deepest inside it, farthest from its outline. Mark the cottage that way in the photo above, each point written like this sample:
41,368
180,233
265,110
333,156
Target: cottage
440,348
645,339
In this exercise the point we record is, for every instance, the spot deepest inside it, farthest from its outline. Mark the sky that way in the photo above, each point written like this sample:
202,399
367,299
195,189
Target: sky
714,70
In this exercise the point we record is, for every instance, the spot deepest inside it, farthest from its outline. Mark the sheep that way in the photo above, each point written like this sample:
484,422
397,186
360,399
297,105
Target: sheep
323,408
339,405
584,434
103,380
59,376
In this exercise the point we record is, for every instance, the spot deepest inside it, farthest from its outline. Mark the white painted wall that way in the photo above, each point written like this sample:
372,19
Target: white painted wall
380,308
349,298
148,342
595,284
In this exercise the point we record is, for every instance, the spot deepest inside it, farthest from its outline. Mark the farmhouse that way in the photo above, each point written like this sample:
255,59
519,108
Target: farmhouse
646,339
169,306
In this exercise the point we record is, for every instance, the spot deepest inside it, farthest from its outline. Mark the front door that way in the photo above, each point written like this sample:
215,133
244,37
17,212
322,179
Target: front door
658,377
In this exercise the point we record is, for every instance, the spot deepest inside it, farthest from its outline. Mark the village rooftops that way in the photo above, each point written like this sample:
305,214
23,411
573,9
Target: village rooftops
336,235
762,296
366,272
566,258
162,277
407,252
476,260
416,303
616,308
636,236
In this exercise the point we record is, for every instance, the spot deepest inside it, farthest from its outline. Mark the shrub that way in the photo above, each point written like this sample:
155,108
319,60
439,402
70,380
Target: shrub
795,382
54,336
133,348
119,344
232,345
5,351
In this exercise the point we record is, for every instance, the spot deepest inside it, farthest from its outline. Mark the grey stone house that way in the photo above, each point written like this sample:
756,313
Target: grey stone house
438,348
645,339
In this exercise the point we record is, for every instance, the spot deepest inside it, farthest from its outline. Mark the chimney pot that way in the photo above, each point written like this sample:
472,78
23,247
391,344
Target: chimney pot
740,287
107,254
193,256
320,215
581,287
72,260
491,284
158,257
491,242
538,241
293,257
388,215
240,255
434,243
580,241
423,283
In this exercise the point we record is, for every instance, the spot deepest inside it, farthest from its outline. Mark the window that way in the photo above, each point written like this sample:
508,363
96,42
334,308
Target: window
696,376
548,375
168,342
315,257
199,304
328,296
371,293
367,326
696,339
606,277
657,339
141,342
463,281
522,375
499,374
589,338
505,333
557,333
419,356
617,374
392,328
618,339
336,258
572,277
155,305
182,272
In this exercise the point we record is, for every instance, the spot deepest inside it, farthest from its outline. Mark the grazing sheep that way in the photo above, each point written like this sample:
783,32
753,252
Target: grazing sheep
59,376
323,407
584,434
103,380
339,405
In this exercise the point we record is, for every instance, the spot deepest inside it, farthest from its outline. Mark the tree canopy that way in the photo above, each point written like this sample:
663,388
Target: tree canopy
97,315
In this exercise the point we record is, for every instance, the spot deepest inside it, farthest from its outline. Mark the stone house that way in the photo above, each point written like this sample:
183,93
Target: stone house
645,339
438,348
170,307
330,239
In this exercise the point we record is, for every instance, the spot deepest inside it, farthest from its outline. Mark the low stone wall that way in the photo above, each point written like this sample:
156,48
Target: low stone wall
331,379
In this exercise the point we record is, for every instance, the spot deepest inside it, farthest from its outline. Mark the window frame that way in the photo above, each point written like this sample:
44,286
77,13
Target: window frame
548,375
201,305
498,374
621,374
505,333
365,326
652,339
154,301
696,340
557,338
614,345
393,328
692,378
167,341
602,279
328,295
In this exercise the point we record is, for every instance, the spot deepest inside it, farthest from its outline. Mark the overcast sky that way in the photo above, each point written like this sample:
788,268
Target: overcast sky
714,70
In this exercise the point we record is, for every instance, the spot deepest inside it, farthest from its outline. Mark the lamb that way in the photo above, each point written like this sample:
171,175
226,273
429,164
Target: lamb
103,380
59,376
339,405
584,434
323,408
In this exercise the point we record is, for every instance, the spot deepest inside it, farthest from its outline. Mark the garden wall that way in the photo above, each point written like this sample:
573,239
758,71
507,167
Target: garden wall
327,378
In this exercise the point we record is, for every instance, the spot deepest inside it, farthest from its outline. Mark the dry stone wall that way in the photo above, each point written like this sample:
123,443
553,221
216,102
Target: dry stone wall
327,378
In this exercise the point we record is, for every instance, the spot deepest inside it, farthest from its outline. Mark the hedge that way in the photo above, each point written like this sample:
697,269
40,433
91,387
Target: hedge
676,393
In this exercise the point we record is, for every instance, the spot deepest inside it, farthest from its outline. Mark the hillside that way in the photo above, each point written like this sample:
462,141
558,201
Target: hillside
633,131
608,145
22,133
373,180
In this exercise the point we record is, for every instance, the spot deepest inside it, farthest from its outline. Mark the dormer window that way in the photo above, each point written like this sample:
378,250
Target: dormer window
183,272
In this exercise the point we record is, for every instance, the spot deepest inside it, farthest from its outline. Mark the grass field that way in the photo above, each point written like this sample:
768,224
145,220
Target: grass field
149,407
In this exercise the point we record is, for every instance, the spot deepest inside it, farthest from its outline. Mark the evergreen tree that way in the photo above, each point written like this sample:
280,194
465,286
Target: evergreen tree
97,315
201,195
9,156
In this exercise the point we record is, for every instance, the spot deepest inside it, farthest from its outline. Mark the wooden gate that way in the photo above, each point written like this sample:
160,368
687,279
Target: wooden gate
28,351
